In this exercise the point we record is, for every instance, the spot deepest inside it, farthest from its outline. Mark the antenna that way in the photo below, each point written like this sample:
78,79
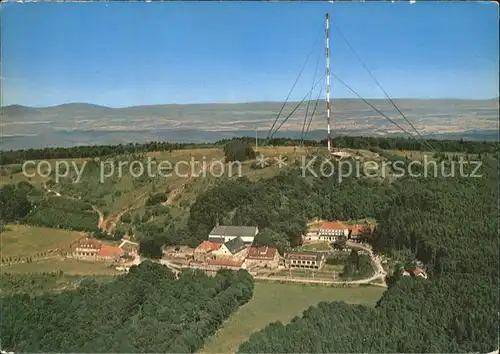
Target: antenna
256,139
327,64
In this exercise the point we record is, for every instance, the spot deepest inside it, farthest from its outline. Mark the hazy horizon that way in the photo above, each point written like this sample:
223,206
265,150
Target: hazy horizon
254,102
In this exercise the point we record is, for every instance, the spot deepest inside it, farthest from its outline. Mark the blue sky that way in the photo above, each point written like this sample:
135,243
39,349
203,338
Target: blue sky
123,54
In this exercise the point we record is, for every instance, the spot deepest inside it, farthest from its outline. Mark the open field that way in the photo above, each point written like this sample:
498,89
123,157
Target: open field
25,240
426,155
318,246
67,266
280,302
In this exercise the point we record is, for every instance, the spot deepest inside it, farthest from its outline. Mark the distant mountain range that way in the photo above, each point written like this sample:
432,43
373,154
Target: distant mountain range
84,123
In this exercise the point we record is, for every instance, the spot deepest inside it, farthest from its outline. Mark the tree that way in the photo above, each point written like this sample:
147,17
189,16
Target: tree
268,237
14,204
151,248
238,150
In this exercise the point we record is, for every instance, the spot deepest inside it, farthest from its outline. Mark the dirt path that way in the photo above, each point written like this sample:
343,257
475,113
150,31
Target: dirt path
110,223
100,222
174,194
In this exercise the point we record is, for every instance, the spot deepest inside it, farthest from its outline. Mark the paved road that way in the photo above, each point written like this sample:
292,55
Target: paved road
317,281
380,273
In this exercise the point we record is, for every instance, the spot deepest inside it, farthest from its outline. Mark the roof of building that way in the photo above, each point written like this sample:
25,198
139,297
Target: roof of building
216,239
110,251
304,255
88,242
242,231
418,271
315,226
235,245
355,229
262,253
208,246
129,247
335,225
224,263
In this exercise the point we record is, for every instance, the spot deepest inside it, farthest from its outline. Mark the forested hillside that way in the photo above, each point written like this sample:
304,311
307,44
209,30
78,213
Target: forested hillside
449,223
147,310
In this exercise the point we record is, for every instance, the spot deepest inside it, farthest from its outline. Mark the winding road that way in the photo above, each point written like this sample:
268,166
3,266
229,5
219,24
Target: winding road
380,273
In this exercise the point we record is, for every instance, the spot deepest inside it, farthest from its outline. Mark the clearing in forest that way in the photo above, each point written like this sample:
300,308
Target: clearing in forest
280,302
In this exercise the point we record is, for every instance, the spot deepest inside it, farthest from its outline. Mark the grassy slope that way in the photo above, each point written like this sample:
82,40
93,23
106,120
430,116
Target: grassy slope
25,240
67,266
280,302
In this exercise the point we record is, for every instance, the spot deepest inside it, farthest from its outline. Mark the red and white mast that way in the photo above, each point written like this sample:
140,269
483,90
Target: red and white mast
327,57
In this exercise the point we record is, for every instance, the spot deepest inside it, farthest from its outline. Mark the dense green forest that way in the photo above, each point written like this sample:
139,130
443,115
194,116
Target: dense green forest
39,283
281,206
14,203
448,223
144,311
446,315
63,213
50,211
18,156
354,142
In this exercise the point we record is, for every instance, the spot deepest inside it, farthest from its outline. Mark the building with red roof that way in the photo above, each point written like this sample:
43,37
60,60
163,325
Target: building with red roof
110,253
204,250
360,230
92,249
267,257
225,263
332,231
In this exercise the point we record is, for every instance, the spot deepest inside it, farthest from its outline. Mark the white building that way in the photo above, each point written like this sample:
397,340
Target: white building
230,248
223,234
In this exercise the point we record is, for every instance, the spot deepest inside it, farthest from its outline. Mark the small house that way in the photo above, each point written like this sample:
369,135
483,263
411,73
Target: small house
205,249
419,272
266,257
230,248
358,232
